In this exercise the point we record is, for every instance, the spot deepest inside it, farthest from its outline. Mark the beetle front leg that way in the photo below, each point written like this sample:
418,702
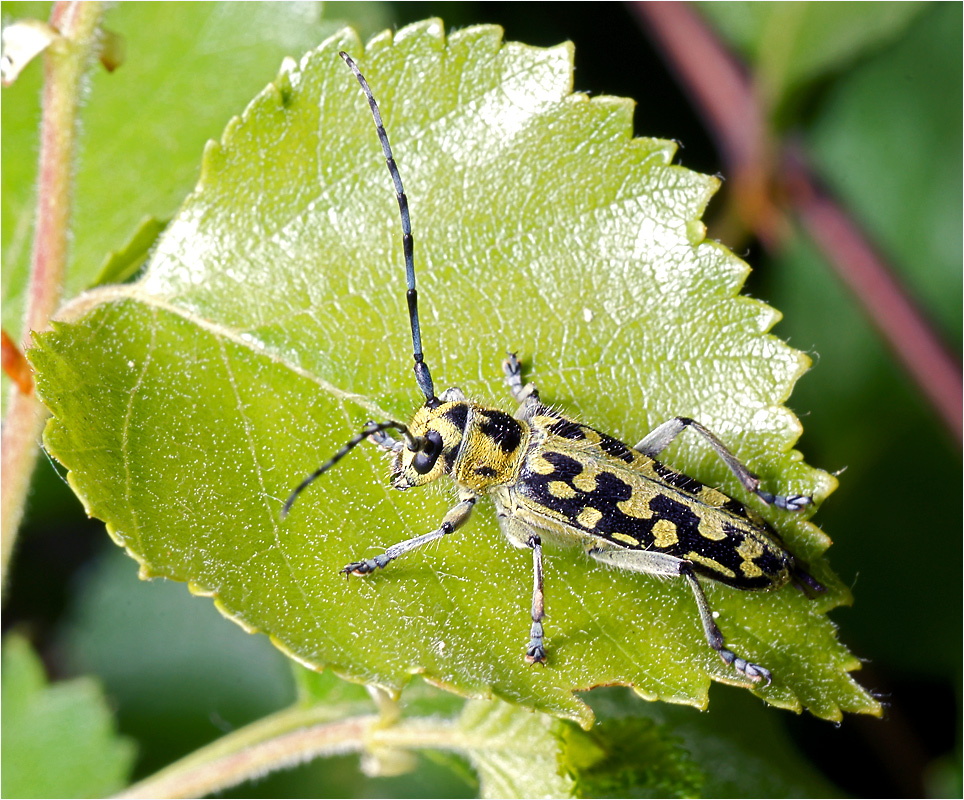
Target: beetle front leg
452,521
521,392
385,441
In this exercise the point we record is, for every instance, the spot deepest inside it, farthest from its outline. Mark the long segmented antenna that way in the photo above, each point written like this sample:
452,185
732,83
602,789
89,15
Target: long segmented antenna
371,427
422,375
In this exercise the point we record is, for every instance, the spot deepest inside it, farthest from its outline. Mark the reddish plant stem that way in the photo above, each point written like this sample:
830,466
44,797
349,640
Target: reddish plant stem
49,257
891,310
724,97
64,63
713,78
723,94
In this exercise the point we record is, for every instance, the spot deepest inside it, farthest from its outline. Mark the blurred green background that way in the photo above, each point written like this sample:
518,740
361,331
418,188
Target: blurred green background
871,92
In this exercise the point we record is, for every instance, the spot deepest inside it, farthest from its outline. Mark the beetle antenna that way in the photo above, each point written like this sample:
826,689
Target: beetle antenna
411,442
422,375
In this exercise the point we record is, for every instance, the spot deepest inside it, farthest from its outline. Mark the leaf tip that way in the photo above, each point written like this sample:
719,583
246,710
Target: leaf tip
431,30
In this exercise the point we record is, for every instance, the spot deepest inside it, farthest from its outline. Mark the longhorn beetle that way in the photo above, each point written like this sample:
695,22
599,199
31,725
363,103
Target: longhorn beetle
550,475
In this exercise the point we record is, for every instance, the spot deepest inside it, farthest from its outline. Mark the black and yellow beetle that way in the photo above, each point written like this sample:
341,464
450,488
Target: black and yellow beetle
550,476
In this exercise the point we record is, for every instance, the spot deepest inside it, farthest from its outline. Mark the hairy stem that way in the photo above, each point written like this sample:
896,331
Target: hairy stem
275,742
285,739
65,61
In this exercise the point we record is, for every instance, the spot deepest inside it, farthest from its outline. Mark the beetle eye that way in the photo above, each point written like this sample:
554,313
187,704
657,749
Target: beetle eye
426,457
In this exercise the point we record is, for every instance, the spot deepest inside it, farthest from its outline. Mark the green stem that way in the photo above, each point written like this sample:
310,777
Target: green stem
65,61
283,740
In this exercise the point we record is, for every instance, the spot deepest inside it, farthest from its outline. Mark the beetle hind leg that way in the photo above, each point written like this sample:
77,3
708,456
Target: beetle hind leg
649,562
714,638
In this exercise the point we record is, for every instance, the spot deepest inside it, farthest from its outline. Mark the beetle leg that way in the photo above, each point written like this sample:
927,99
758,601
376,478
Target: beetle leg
536,651
713,636
522,535
653,563
385,441
660,438
452,521
522,393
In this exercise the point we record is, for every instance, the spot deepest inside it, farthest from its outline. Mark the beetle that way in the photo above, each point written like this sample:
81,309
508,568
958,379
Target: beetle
551,476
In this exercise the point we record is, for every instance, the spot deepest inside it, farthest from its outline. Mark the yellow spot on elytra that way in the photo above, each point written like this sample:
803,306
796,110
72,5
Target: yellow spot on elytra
712,497
750,569
750,549
716,566
664,533
636,507
585,482
588,517
561,490
711,529
591,436
540,465
626,539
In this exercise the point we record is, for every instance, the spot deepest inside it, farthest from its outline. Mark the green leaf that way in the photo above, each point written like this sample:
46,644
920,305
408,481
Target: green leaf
121,265
742,748
145,124
67,724
518,754
271,323
326,688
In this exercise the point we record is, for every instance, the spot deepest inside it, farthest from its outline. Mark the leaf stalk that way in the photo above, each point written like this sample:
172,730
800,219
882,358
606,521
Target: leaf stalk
290,737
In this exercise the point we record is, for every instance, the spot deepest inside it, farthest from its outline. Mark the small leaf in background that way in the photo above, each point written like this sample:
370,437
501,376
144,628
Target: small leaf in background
519,754
513,752
629,752
59,740
270,324
178,675
326,688
121,265
741,747
790,44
